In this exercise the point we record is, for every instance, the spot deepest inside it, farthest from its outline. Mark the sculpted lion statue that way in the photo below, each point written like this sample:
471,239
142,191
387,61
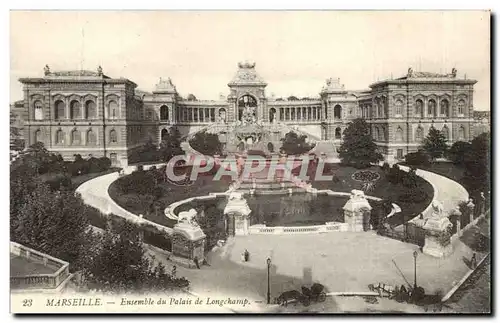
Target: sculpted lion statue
188,217
437,208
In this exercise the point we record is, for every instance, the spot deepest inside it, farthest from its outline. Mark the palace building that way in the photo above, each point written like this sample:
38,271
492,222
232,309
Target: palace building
92,114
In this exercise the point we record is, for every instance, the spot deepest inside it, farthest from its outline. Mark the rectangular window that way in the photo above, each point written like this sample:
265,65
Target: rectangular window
399,154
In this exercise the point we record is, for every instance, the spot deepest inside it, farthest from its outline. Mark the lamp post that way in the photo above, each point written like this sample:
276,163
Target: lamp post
268,281
415,254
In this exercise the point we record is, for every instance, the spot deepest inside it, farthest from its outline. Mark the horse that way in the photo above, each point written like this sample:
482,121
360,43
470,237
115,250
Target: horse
287,296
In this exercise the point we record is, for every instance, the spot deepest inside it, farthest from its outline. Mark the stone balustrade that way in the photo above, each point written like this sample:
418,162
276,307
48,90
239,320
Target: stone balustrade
38,281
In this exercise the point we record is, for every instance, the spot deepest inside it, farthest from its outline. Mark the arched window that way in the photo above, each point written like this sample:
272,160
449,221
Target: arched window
164,134
75,111
337,112
38,108
113,158
112,109
163,112
272,115
461,106
60,110
75,137
399,134
446,132
247,104
37,136
444,108
461,133
431,108
90,110
59,137
113,137
338,133
419,108
222,114
91,138
399,108
419,134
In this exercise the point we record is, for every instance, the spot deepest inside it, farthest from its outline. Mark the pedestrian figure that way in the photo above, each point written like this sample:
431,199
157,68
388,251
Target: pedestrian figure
473,261
242,257
196,262
174,271
246,255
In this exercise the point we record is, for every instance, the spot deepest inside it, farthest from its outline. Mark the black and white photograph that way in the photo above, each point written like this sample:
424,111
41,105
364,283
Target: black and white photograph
250,161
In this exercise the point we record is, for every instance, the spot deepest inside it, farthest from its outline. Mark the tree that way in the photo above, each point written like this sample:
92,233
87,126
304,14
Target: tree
170,145
435,143
119,263
419,158
358,148
51,222
293,144
206,143
458,151
477,164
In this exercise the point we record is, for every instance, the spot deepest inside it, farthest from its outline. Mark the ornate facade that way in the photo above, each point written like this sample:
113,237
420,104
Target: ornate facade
90,113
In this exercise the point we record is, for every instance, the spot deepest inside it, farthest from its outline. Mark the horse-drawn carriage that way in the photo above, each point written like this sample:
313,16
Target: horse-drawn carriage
315,293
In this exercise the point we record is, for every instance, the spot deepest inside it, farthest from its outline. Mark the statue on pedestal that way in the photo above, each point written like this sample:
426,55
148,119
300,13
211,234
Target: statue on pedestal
237,212
437,232
357,212
188,240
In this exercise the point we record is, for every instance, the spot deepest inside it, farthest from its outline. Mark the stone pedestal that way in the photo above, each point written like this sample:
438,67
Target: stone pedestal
188,242
357,212
238,215
437,236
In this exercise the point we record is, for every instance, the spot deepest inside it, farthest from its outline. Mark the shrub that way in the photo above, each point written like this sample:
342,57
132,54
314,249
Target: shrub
394,175
415,195
419,158
94,166
410,179
105,163
59,182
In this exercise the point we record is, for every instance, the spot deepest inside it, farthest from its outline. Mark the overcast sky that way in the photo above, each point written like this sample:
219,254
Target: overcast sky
294,51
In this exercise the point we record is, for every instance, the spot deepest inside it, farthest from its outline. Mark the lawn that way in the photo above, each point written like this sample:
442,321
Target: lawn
445,169
173,193
76,180
342,182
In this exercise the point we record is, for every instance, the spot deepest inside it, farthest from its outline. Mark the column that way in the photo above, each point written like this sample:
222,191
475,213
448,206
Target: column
192,114
66,108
